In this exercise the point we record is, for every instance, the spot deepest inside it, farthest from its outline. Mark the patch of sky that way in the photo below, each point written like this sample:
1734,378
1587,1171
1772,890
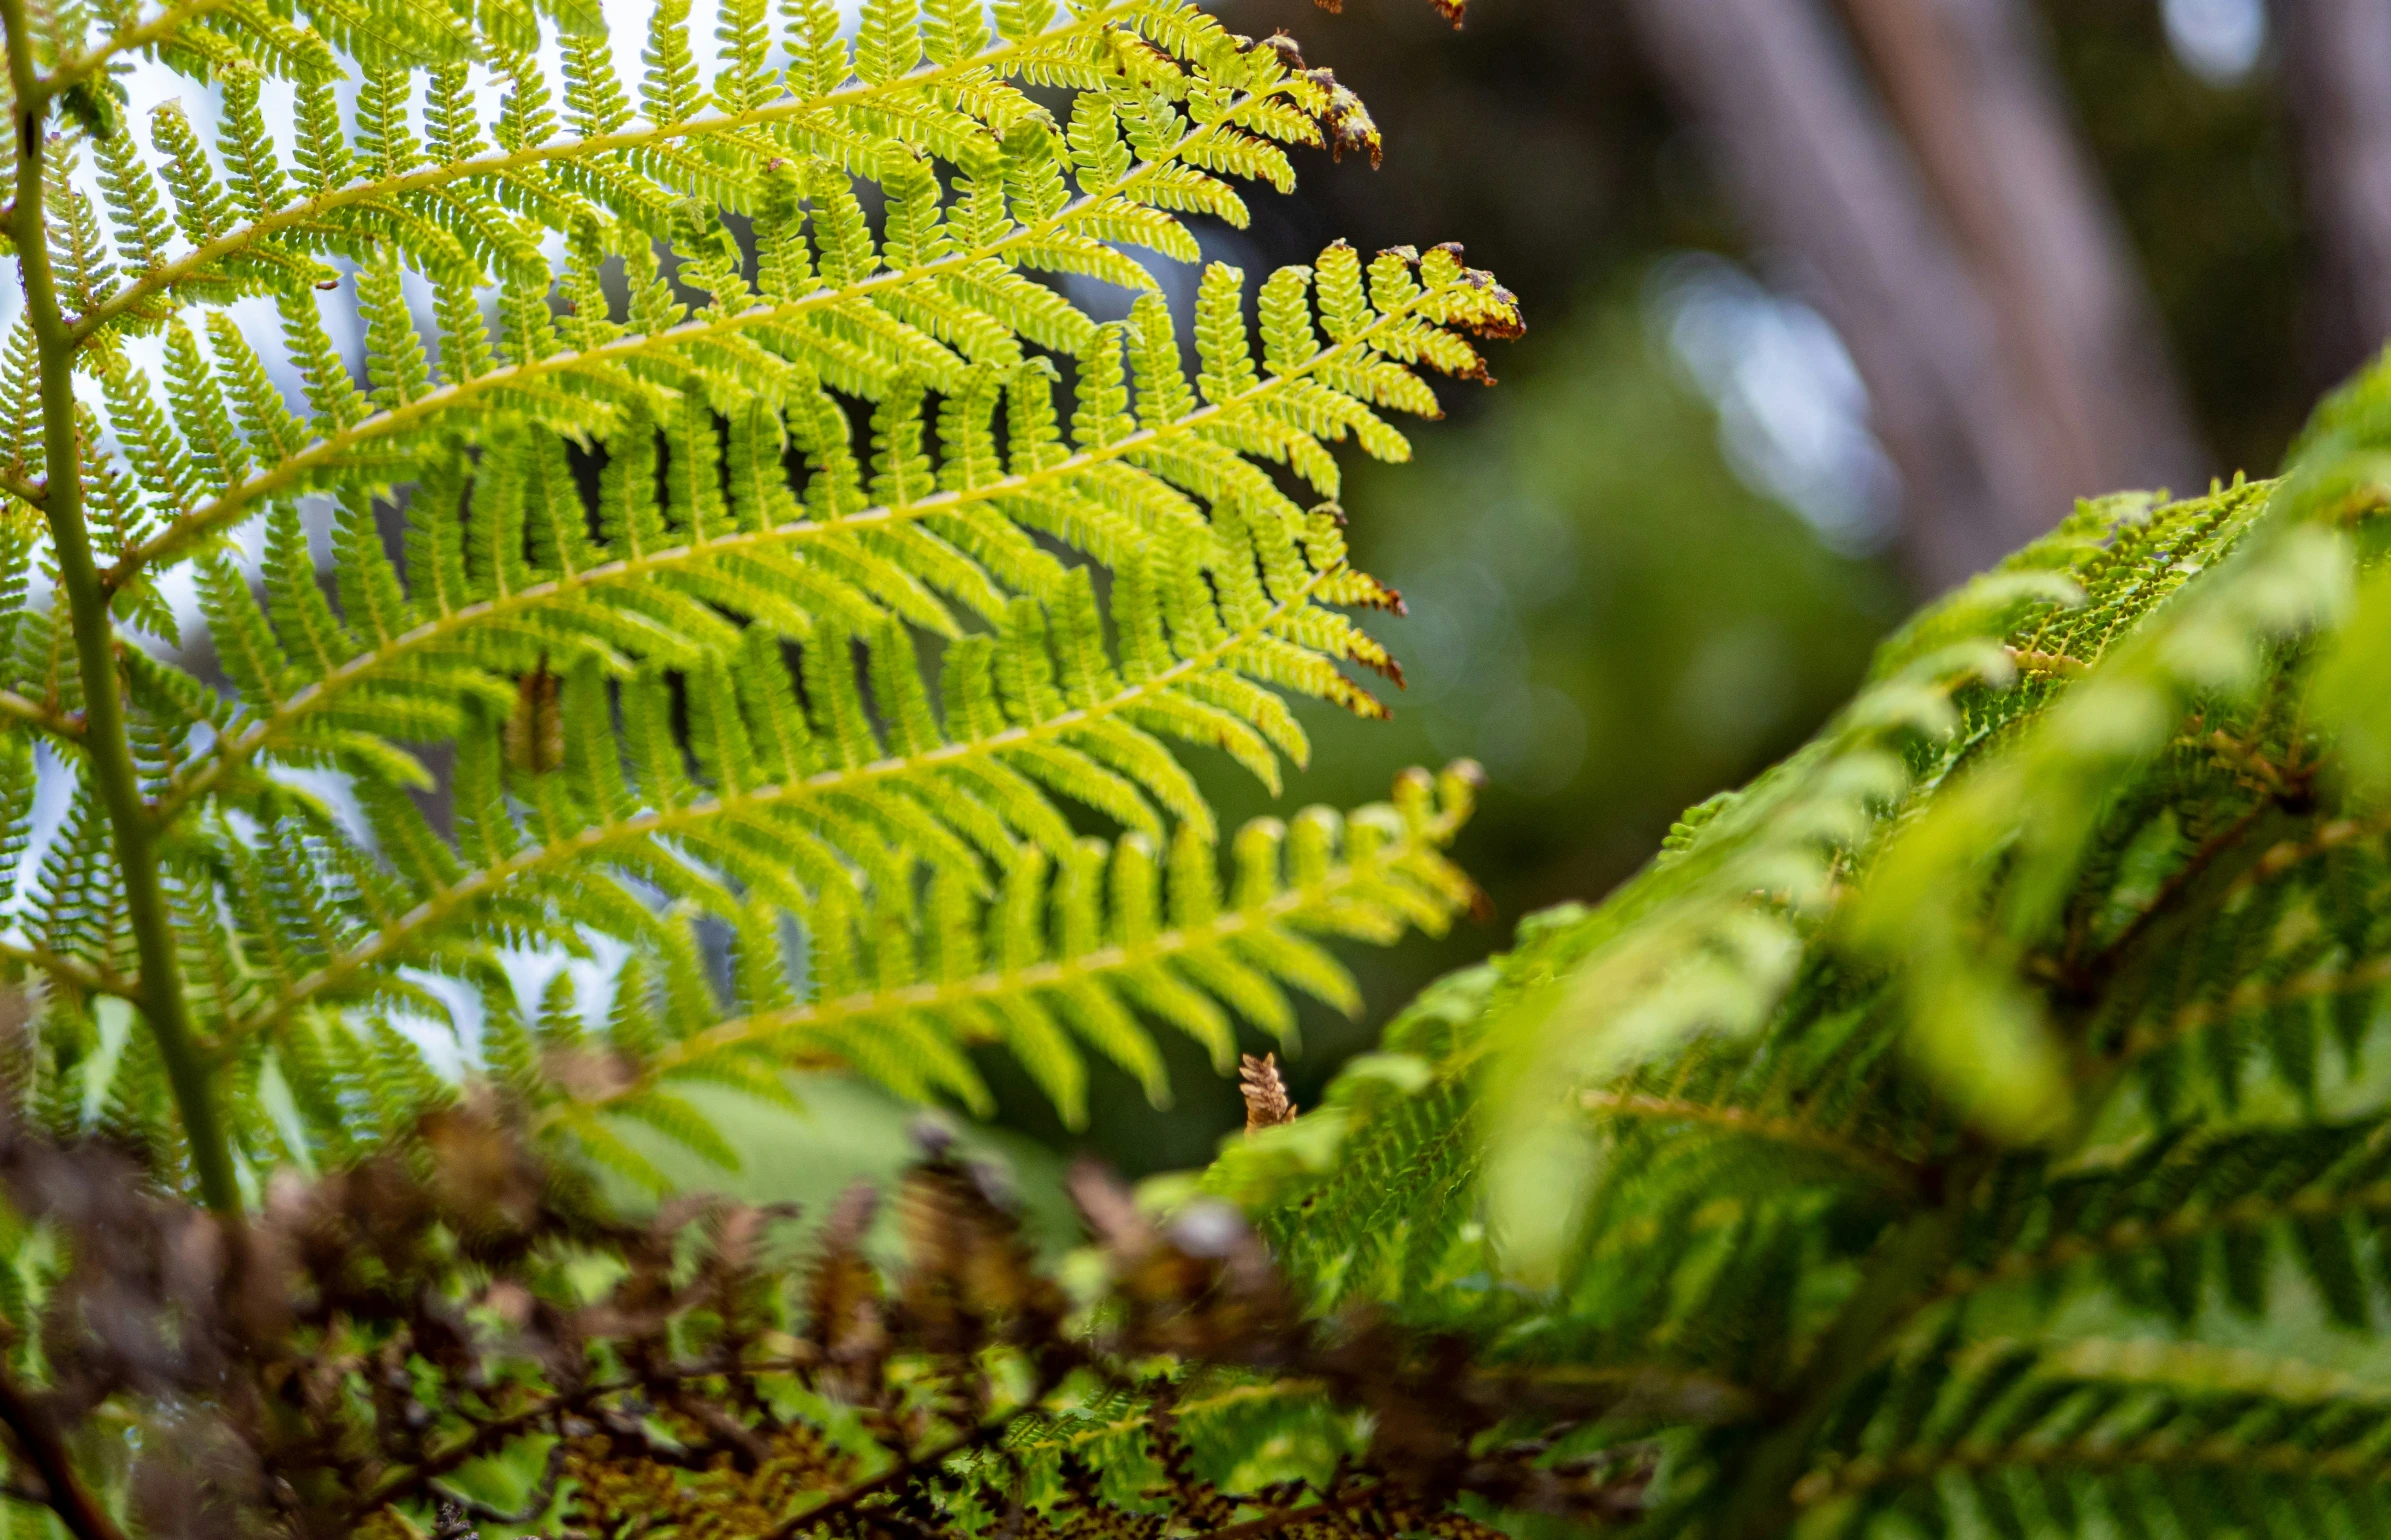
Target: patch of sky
1793,412
2221,41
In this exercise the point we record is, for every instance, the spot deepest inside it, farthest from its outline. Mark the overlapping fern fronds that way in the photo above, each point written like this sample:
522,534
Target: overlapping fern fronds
1976,1125
737,505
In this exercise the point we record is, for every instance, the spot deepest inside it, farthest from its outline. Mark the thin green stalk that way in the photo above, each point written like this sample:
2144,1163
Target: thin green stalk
107,749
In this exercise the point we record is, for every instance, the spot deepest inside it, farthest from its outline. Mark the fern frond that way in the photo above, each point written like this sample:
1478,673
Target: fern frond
1050,994
856,641
2037,1003
2036,1440
790,573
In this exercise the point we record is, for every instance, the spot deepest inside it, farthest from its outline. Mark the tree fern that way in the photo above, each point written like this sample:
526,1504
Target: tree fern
1976,1124
789,569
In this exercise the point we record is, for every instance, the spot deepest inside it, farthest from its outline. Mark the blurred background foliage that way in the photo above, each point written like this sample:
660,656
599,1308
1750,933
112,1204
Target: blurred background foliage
2195,147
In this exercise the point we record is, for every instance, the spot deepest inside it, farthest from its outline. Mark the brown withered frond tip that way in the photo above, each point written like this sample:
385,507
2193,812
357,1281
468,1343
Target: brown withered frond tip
1266,1101
535,729
1450,10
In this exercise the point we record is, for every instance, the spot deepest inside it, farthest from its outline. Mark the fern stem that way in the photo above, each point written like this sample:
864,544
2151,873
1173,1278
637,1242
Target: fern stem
34,714
85,977
2286,854
18,487
107,748
2177,885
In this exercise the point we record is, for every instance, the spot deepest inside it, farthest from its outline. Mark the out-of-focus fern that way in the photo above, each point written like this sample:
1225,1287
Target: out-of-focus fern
1977,1124
790,572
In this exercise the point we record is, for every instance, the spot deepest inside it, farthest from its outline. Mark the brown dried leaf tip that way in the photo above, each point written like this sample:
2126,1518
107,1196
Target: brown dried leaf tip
1450,10
1347,122
1266,1101
535,730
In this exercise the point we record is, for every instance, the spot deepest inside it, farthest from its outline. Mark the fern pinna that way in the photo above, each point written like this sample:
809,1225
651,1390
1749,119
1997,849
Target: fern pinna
1976,1126
710,423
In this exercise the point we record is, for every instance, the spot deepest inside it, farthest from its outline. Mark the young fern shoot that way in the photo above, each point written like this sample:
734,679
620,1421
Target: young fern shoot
788,567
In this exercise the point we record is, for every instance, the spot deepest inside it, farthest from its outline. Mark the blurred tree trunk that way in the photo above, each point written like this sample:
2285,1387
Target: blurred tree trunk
1969,84
2337,81
1951,229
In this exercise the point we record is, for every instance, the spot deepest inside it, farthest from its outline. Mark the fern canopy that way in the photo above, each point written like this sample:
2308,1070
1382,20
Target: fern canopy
1976,1125
796,601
